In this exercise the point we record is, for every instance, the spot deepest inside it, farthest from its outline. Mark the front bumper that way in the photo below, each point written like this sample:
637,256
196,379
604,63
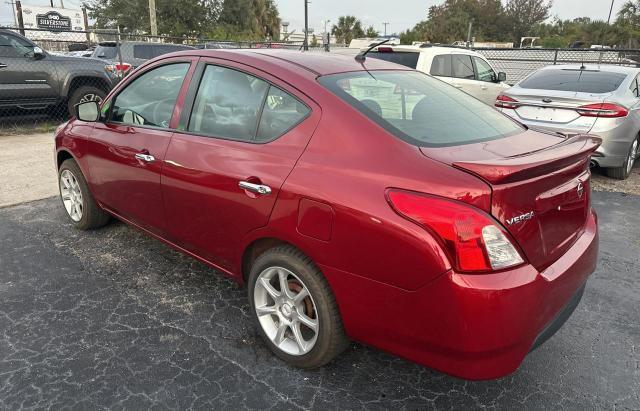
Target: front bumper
471,326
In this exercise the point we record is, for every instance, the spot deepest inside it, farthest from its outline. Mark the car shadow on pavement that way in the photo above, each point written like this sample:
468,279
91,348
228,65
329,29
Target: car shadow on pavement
112,318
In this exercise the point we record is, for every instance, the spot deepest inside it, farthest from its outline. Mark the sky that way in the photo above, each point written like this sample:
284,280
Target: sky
371,12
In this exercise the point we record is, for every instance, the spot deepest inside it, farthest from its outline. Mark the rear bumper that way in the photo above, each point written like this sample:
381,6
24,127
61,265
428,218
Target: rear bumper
616,134
471,326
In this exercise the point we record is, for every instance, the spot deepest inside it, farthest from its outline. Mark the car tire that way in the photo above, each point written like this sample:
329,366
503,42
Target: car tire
83,94
319,306
623,172
77,200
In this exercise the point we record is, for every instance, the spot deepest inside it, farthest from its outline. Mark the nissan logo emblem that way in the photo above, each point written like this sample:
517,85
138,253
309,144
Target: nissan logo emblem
580,189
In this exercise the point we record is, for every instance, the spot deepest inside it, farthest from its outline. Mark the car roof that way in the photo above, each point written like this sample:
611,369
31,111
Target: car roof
433,49
595,67
319,63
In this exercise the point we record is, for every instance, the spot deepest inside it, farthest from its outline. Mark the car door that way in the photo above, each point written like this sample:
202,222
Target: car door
25,81
486,76
127,149
222,174
463,75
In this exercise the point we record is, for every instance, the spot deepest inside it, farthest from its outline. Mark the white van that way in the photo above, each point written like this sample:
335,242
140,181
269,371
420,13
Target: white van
462,68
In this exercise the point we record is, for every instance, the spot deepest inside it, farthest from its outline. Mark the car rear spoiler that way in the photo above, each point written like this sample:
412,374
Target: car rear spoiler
531,165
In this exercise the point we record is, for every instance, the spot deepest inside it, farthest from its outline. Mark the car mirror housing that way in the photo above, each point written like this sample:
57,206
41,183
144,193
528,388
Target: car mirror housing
38,53
87,111
502,76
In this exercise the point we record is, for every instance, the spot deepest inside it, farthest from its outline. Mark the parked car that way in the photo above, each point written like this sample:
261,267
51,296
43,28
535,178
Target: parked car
573,99
462,68
133,53
31,78
356,200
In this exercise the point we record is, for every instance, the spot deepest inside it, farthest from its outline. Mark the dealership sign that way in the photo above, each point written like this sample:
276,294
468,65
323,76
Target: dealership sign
53,21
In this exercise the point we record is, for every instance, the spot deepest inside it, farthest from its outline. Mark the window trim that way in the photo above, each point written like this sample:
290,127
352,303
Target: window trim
194,86
109,117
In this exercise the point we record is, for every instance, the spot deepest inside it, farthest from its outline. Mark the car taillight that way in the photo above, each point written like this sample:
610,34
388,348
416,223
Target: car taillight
606,110
118,69
385,50
471,238
503,101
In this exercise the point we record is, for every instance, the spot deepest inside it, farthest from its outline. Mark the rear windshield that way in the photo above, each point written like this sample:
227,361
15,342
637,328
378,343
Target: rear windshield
581,81
149,51
105,52
409,59
420,109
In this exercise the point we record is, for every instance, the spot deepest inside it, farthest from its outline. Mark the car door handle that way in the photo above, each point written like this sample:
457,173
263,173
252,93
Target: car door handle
145,157
260,189
484,87
2,65
457,85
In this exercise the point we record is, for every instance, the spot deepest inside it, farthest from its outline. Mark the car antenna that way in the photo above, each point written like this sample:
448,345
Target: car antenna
362,56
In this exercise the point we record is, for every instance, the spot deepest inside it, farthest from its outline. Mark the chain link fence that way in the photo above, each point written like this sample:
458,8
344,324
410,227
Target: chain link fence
44,73
519,63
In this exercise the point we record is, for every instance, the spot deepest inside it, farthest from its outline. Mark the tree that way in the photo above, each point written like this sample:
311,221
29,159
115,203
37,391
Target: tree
314,41
371,32
524,15
175,17
347,29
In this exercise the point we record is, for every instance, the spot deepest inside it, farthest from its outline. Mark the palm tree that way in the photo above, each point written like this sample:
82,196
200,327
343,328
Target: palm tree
371,32
348,28
630,13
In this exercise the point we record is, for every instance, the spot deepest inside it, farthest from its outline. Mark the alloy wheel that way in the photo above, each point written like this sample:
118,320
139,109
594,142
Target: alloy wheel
286,311
90,97
71,195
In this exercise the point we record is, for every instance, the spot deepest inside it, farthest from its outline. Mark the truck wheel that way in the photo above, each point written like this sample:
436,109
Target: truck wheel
84,94
294,308
622,173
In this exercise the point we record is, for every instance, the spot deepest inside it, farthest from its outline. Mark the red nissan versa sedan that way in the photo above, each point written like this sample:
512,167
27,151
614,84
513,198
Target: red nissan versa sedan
358,199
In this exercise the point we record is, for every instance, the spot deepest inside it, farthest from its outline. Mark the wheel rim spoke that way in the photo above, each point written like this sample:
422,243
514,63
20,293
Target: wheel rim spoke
269,288
266,310
71,195
298,298
284,284
279,338
297,334
308,322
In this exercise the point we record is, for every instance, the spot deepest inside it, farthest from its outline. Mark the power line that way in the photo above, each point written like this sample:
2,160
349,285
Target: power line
385,28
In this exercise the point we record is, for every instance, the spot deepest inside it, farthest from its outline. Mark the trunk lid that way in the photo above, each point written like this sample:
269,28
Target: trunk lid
540,187
556,108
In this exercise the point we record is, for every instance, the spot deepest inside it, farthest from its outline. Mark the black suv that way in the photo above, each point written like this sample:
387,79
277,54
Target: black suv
31,78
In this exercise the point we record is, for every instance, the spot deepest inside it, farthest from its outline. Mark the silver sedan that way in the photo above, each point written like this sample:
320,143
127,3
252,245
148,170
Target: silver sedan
572,99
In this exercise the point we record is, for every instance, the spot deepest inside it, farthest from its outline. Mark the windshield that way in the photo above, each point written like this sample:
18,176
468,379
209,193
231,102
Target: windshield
420,109
581,81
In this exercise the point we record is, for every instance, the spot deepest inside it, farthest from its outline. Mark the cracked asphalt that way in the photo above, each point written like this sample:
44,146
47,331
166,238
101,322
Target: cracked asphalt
114,319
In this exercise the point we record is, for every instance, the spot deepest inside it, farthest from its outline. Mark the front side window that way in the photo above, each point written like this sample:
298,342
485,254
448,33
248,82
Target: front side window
462,66
12,46
149,99
228,104
441,65
419,109
484,72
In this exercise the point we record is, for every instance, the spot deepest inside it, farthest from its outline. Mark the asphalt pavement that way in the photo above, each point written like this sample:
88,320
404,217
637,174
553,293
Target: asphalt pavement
114,319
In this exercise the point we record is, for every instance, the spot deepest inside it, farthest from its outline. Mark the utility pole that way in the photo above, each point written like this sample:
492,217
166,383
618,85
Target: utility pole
152,17
327,36
469,33
385,28
306,25
61,4
86,22
19,14
610,10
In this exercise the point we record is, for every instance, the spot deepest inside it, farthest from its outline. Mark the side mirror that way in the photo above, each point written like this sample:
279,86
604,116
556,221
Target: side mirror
38,53
502,76
87,111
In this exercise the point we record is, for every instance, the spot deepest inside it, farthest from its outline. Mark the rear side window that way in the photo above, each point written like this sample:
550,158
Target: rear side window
228,104
441,65
462,66
281,113
149,99
581,81
420,109
404,58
